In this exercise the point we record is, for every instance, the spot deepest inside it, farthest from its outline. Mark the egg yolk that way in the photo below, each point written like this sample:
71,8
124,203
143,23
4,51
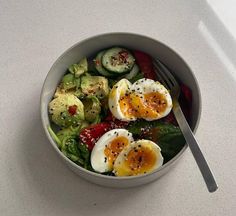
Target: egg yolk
139,160
149,105
113,149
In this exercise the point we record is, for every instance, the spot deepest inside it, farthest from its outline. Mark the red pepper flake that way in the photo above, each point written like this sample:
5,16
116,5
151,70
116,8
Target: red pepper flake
97,62
72,109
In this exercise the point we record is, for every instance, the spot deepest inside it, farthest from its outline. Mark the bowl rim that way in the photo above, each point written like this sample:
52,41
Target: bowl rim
99,175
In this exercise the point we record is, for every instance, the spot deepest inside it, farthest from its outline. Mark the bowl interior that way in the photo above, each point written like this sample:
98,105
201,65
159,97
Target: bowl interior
90,46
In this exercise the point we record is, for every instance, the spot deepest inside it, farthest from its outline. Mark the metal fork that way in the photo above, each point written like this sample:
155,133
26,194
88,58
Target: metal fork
168,80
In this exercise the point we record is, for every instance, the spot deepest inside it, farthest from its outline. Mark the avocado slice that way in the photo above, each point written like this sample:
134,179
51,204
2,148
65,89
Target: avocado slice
92,108
78,69
94,86
66,110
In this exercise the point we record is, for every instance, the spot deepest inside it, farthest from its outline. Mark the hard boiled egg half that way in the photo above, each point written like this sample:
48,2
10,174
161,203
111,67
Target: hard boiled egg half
146,98
117,151
107,149
141,157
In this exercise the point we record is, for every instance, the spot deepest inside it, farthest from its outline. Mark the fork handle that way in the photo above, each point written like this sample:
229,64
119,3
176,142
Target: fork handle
196,151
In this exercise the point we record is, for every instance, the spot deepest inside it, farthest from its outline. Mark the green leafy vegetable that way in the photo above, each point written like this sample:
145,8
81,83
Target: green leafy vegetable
70,149
71,131
85,154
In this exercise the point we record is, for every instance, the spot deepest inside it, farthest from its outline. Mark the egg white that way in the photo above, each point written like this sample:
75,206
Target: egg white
117,91
121,168
145,86
98,158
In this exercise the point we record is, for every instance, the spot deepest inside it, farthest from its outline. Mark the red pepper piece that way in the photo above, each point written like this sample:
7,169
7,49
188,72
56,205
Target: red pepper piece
144,62
91,134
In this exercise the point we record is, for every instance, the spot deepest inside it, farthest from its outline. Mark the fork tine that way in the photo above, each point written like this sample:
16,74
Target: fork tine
167,72
162,75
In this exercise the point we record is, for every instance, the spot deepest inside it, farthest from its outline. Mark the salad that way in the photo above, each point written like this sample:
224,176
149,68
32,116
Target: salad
112,116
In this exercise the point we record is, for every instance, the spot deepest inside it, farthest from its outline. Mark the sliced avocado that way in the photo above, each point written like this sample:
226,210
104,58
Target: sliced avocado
68,82
80,68
92,108
66,110
94,86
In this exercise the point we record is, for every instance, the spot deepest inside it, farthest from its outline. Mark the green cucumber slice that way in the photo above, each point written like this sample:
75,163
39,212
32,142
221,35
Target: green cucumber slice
118,60
98,65
133,72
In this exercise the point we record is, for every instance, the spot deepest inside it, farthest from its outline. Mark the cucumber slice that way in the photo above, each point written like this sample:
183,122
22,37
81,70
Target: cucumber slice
118,60
98,65
133,72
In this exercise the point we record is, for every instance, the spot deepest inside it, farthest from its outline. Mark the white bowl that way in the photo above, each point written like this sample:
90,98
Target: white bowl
89,47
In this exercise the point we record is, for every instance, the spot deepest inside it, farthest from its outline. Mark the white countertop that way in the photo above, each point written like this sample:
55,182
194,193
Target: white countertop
34,181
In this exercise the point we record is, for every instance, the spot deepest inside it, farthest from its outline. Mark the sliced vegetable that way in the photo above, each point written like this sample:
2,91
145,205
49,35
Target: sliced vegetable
92,108
91,134
99,66
118,60
94,86
68,82
144,62
80,68
134,71
66,110
96,120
